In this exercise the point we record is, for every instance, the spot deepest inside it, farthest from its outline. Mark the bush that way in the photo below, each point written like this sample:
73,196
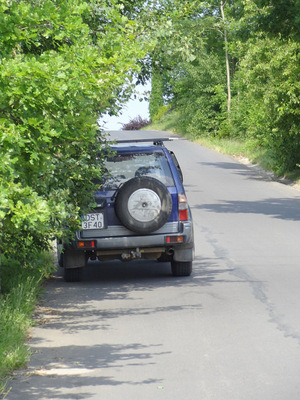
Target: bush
200,96
268,106
55,82
135,124
162,111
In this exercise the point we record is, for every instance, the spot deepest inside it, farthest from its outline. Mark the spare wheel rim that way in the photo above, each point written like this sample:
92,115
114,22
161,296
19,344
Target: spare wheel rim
144,205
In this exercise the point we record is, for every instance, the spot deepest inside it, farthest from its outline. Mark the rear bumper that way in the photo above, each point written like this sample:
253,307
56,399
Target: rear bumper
147,244
119,237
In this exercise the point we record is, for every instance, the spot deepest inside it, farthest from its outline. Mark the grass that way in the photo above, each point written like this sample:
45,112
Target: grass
241,149
21,287
169,122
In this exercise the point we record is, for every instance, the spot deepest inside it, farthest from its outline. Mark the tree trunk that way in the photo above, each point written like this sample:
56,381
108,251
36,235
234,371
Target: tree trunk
227,60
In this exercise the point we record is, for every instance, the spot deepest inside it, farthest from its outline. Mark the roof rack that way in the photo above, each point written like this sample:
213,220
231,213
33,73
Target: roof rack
156,142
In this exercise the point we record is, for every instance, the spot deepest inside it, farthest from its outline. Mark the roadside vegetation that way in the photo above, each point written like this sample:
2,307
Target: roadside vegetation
63,65
21,287
229,73
135,124
243,150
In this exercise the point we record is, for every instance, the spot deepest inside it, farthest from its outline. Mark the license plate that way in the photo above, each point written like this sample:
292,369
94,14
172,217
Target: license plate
93,221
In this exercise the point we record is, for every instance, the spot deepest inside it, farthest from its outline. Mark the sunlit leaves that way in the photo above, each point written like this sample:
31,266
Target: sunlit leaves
61,67
263,54
269,107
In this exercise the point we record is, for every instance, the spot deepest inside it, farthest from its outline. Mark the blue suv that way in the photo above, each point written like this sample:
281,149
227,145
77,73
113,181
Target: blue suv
142,212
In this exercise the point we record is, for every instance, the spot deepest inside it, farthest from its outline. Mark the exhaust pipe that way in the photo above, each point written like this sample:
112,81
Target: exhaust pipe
170,252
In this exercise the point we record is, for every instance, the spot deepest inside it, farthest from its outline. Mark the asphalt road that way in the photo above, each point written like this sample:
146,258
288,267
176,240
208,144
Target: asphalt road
231,331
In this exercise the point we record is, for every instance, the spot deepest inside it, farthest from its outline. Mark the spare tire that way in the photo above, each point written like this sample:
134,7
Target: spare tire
143,204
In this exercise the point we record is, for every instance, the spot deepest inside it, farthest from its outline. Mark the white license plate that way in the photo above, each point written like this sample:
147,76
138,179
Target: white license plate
93,221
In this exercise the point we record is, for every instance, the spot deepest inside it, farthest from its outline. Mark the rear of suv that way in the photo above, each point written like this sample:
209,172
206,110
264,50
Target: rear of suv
141,213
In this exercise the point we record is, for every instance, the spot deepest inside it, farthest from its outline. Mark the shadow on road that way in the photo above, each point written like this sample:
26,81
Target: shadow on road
249,171
80,369
112,295
280,208
66,305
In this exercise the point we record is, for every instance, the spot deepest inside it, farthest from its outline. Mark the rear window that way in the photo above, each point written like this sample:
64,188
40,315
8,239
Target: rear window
122,167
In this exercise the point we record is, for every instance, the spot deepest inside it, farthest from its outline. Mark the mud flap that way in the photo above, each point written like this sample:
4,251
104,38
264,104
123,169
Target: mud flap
74,259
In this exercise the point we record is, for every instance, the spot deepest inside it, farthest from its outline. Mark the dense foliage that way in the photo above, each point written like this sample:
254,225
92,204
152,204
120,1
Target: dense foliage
233,71
62,64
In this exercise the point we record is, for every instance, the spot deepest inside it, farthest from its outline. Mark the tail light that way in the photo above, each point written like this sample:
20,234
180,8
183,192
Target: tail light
183,208
174,239
86,244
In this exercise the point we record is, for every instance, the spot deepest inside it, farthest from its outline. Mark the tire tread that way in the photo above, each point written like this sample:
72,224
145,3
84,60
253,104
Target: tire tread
182,268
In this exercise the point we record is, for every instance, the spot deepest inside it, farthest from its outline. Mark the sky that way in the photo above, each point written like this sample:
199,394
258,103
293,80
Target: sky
131,110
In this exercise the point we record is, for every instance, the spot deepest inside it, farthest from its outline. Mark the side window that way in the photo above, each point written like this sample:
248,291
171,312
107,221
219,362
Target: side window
177,165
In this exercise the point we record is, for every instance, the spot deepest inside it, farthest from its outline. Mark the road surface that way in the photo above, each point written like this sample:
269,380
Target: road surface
231,331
